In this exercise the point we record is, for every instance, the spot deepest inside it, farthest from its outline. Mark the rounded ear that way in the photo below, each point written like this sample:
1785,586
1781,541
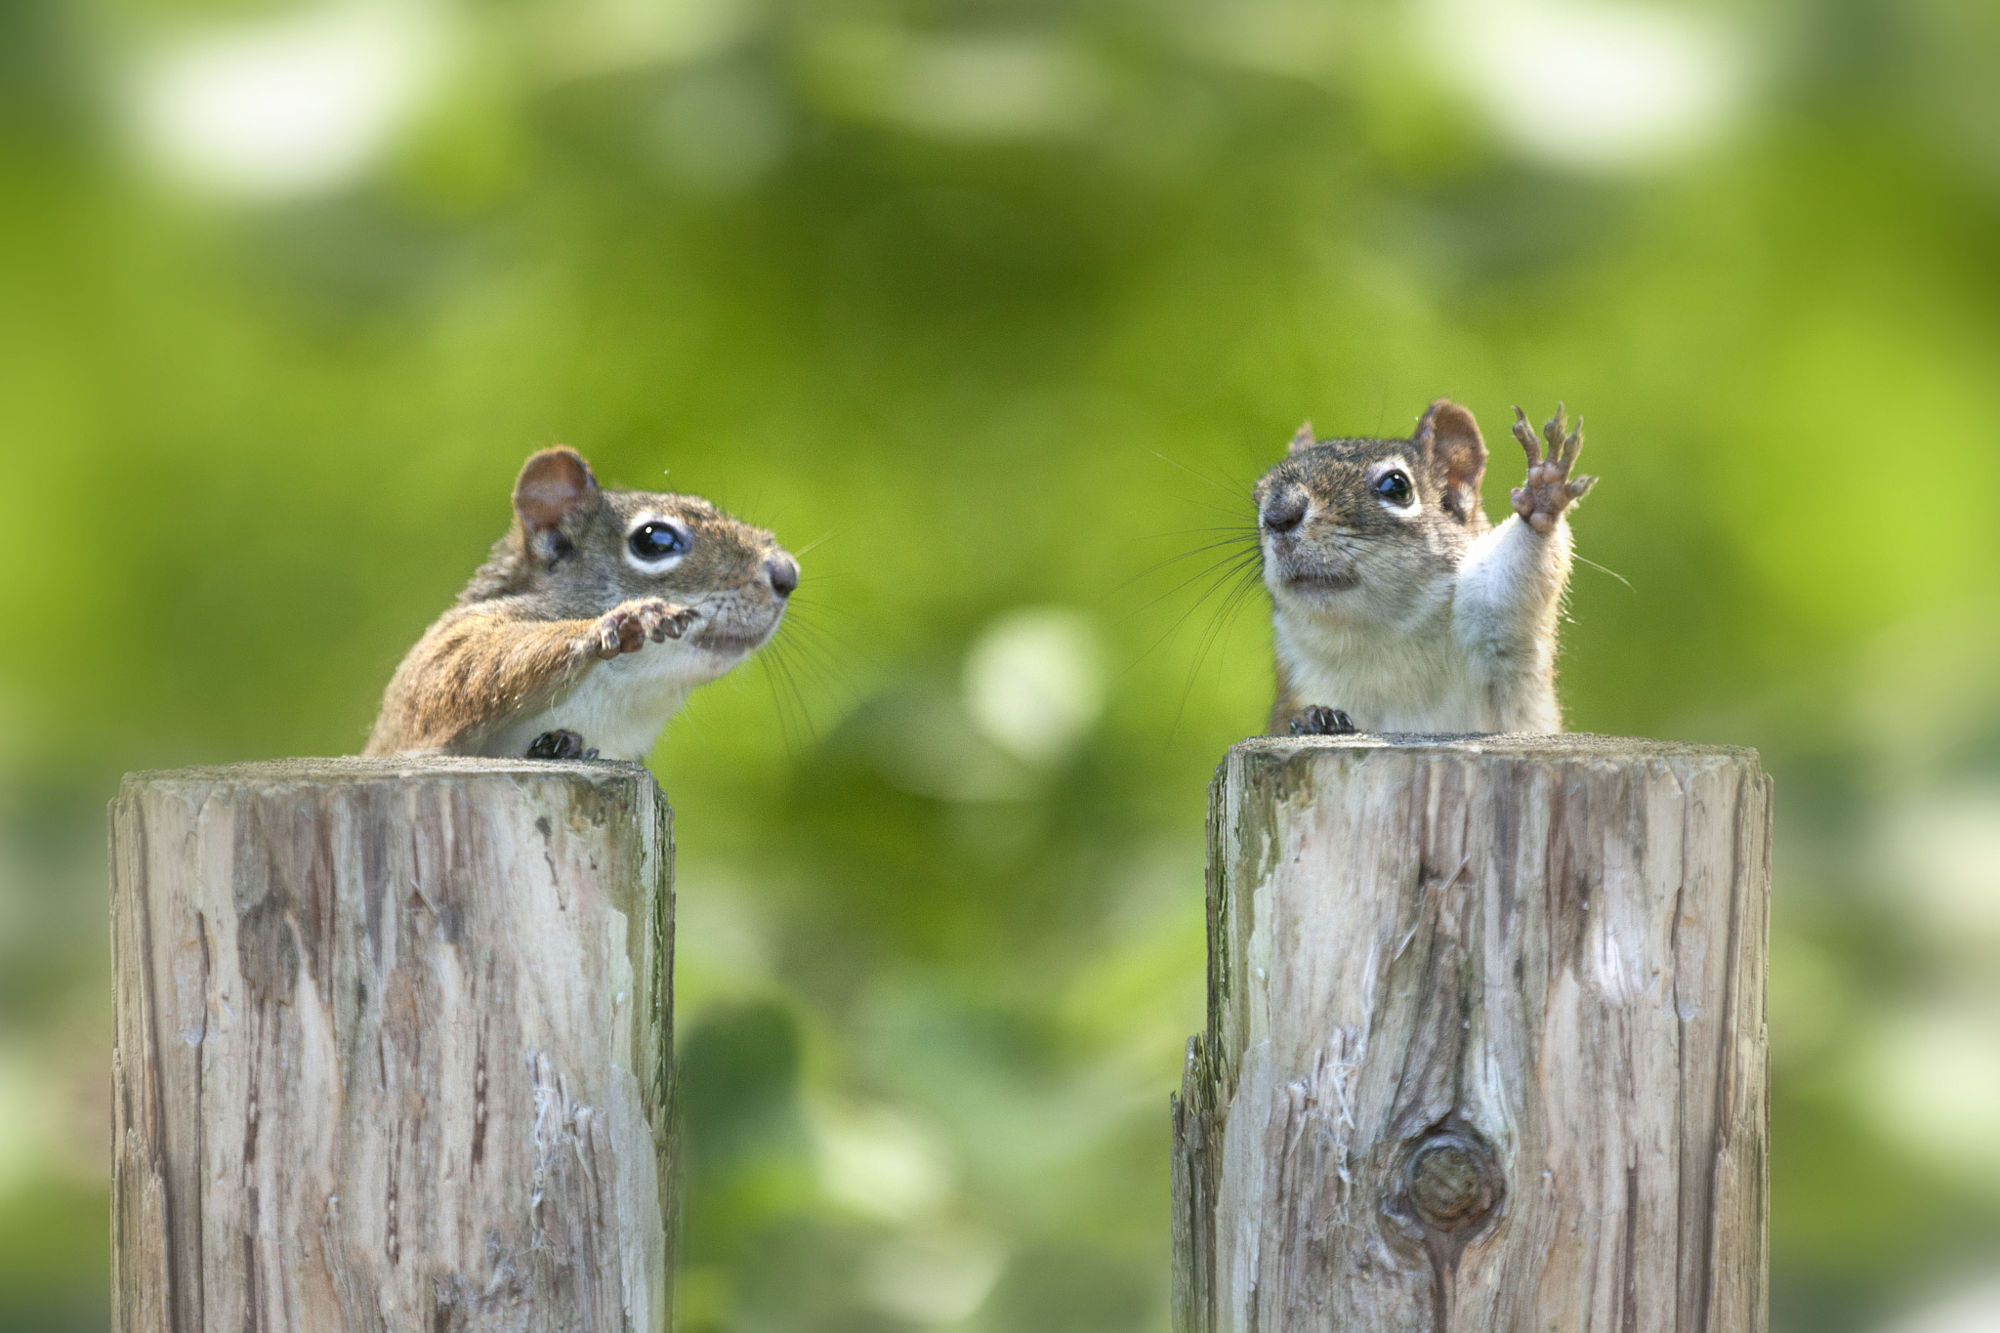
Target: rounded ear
1302,438
554,484
1449,437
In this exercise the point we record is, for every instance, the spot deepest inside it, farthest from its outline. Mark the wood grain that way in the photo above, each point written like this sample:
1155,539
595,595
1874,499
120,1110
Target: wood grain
1486,1045
392,1047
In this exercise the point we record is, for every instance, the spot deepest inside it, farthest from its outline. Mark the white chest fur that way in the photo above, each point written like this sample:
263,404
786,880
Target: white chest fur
1480,657
619,707
1414,679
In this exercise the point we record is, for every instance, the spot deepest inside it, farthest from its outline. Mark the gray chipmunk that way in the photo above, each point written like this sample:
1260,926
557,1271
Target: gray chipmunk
588,625
1395,605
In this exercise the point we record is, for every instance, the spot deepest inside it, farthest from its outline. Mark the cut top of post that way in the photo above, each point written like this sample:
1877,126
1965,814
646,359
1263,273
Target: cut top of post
354,769
1551,745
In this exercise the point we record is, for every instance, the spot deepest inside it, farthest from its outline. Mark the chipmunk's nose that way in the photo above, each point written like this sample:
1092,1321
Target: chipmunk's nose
783,571
1284,509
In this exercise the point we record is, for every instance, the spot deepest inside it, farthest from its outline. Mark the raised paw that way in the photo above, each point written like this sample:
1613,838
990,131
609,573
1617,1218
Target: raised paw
677,624
626,627
1550,488
1319,721
561,743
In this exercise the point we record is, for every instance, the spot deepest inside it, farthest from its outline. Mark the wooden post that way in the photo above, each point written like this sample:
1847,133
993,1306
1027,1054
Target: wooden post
1485,1043
392,1047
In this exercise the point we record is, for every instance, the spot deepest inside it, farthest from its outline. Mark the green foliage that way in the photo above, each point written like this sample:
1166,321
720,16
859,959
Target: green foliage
985,308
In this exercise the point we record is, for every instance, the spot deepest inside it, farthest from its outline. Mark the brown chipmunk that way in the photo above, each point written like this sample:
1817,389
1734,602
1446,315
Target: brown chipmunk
588,624
1395,606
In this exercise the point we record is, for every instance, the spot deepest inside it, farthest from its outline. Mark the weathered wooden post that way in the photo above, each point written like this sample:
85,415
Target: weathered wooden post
392,1047
1485,1043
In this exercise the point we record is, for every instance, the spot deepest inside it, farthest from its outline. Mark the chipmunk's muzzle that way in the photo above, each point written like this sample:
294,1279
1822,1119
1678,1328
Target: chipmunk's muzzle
1305,570
1299,566
1293,560
743,619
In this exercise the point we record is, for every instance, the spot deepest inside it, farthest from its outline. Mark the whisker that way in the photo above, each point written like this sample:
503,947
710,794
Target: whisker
817,632
1246,528
823,666
1606,569
1157,566
1234,562
1223,574
1236,491
786,699
1218,624
769,672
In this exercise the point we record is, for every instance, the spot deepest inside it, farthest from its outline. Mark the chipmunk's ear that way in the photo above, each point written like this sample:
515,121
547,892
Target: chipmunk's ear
554,485
1449,437
1302,438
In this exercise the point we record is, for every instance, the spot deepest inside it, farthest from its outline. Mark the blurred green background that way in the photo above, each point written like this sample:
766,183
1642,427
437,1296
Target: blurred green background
996,310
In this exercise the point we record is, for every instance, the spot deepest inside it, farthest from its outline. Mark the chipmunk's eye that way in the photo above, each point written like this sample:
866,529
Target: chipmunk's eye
1394,488
655,540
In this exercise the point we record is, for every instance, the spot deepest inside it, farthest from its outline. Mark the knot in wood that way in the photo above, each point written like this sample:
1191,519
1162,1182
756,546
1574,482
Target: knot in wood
1452,1181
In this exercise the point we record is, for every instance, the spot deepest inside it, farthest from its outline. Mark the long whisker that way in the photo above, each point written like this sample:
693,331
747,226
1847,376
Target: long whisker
786,669
1233,561
1227,543
1234,492
818,636
1216,527
821,666
1219,622
793,715
1220,575
766,665
1586,560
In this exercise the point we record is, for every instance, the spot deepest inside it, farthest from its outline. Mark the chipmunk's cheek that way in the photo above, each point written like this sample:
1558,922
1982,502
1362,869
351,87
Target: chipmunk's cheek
1323,585
739,629
1314,573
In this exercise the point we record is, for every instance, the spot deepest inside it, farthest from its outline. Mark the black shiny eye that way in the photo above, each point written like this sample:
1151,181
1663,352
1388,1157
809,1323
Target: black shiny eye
654,540
1394,487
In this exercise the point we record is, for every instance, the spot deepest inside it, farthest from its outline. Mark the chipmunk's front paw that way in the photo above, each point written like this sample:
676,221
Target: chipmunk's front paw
1550,489
561,743
626,627
1319,721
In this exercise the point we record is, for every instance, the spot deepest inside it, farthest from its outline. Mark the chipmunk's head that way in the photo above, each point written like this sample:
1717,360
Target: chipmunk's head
1355,531
590,549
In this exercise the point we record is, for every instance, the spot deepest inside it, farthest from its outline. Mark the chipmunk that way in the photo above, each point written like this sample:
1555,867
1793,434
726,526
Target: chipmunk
1395,606
588,625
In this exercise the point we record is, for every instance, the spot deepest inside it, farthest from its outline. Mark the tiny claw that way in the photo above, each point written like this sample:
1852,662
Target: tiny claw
1573,446
1525,433
561,743
1581,487
1322,721
1553,431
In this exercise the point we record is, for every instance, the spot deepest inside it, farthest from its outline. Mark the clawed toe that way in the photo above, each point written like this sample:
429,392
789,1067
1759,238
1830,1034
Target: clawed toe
1320,721
559,744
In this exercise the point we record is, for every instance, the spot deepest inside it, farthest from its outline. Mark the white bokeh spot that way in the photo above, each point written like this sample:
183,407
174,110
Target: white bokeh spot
1595,87
1034,681
287,106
